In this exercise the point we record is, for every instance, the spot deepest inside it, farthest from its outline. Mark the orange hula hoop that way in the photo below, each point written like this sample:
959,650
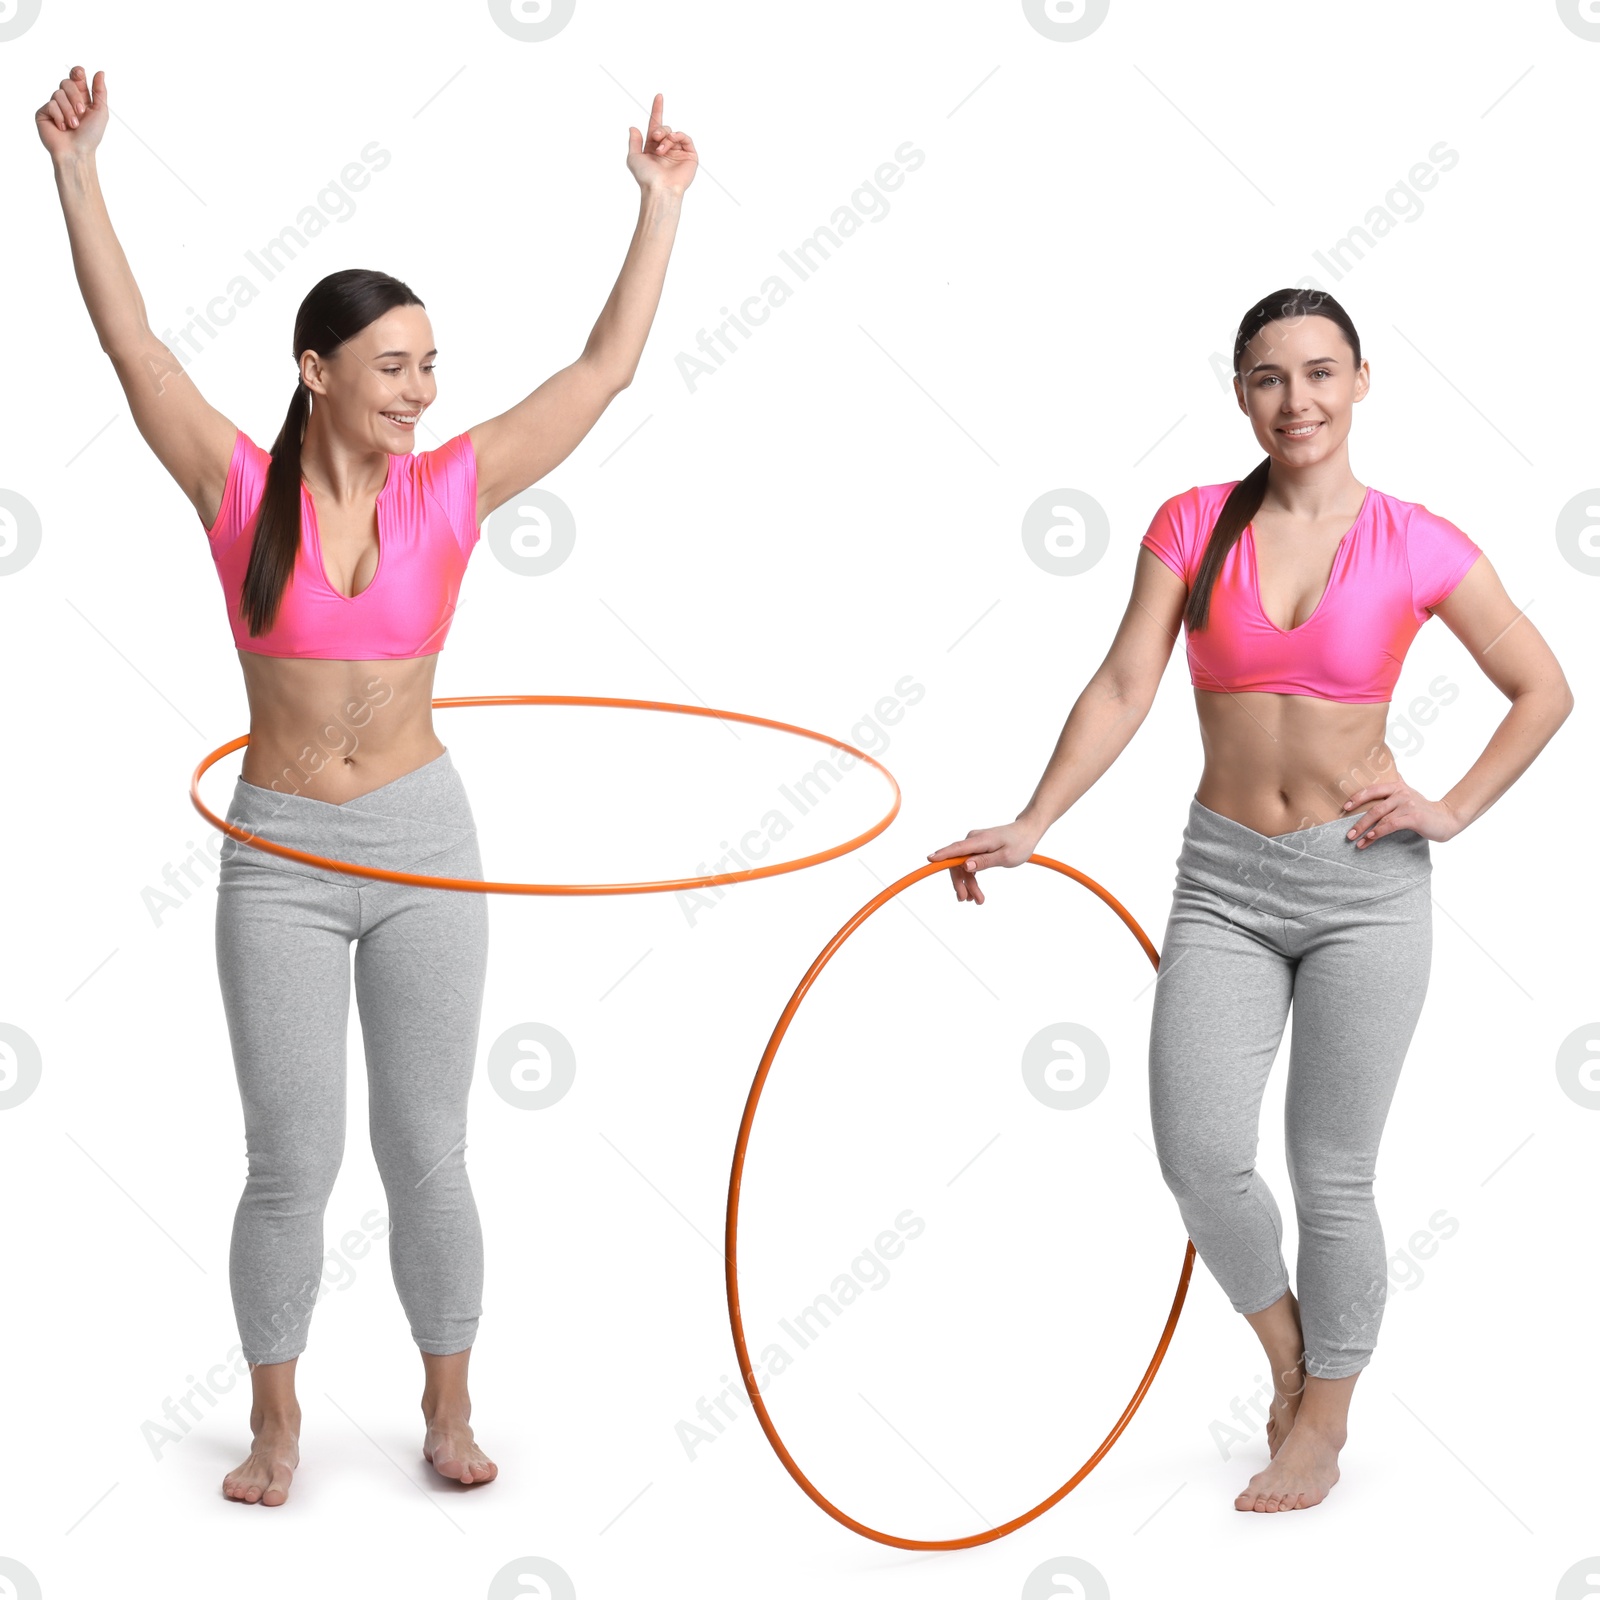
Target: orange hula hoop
731,1250
478,886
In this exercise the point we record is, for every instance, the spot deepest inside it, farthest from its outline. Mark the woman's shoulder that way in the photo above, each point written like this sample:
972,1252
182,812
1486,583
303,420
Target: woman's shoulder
1198,505
446,481
1413,520
1179,526
1213,495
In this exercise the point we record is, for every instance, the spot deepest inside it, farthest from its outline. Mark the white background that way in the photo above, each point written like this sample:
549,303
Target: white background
836,509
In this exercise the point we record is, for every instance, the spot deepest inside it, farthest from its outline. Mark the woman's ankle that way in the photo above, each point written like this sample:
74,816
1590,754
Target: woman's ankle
275,1419
1289,1375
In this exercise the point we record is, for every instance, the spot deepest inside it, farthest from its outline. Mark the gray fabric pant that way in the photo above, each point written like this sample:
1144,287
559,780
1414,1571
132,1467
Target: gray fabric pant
283,933
1347,936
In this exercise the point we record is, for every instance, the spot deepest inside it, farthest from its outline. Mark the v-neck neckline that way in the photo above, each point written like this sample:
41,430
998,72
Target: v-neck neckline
316,538
1255,571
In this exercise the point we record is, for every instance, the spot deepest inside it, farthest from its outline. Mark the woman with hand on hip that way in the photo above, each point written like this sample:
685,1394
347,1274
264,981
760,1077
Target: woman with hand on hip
341,552
1305,862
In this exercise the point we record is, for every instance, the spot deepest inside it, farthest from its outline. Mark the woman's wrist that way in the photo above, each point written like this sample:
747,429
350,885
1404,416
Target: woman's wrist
1033,821
660,198
1459,813
75,173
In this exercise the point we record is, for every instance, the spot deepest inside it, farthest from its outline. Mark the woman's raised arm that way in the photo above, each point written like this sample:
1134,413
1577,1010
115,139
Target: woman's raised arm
191,438
542,429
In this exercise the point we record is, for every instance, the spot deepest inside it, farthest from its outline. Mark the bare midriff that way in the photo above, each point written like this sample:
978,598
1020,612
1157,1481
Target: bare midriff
336,730
1281,762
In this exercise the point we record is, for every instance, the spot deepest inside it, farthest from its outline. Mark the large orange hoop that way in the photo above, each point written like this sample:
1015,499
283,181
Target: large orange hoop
476,886
731,1248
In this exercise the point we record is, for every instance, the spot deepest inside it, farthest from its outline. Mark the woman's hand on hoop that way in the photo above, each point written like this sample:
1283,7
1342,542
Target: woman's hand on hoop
1394,804
1006,846
73,119
660,158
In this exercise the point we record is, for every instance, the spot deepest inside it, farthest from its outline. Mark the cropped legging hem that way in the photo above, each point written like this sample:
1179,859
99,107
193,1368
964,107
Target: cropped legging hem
1333,1372
1260,923
271,1358
284,930
430,1347
448,1347
1271,1300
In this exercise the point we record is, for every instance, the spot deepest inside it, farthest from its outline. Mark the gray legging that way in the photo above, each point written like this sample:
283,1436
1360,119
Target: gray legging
1258,921
283,933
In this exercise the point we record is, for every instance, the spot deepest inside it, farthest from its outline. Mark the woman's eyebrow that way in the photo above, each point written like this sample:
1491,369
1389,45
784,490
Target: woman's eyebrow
1272,366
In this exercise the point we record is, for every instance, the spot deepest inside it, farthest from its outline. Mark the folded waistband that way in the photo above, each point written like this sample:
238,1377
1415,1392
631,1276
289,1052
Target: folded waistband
1291,874
397,826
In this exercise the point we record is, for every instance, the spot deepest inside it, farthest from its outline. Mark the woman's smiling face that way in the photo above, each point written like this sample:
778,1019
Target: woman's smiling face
1297,382
380,381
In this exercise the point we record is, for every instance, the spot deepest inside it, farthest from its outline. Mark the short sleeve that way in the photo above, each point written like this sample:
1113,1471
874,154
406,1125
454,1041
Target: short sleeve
1171,534
450,479
1439,554
241,493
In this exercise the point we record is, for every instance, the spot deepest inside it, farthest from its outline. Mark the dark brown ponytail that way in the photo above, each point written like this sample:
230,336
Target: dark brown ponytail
336,309
1283,305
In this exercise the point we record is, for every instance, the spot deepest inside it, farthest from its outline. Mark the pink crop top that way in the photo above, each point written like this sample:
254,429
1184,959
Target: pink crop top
1397,560
426,533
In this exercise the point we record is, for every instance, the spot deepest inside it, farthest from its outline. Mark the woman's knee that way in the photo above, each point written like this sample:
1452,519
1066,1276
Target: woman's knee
1195,1174
415,1164
1326,1179
293,1175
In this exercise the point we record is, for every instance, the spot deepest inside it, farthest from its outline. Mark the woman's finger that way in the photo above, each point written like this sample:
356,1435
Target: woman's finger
977,860
1374,824
962,847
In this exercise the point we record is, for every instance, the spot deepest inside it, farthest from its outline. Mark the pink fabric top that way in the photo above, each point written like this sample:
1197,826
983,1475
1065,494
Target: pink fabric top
1397,560
426,533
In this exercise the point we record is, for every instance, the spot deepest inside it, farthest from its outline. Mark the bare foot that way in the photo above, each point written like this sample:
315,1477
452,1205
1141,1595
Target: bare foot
453,1452
1284,1409
262,1478
1301,1474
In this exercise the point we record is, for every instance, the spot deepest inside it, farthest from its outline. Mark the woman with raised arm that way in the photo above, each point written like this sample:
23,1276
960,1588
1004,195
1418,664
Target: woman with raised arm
340,553
1305,862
